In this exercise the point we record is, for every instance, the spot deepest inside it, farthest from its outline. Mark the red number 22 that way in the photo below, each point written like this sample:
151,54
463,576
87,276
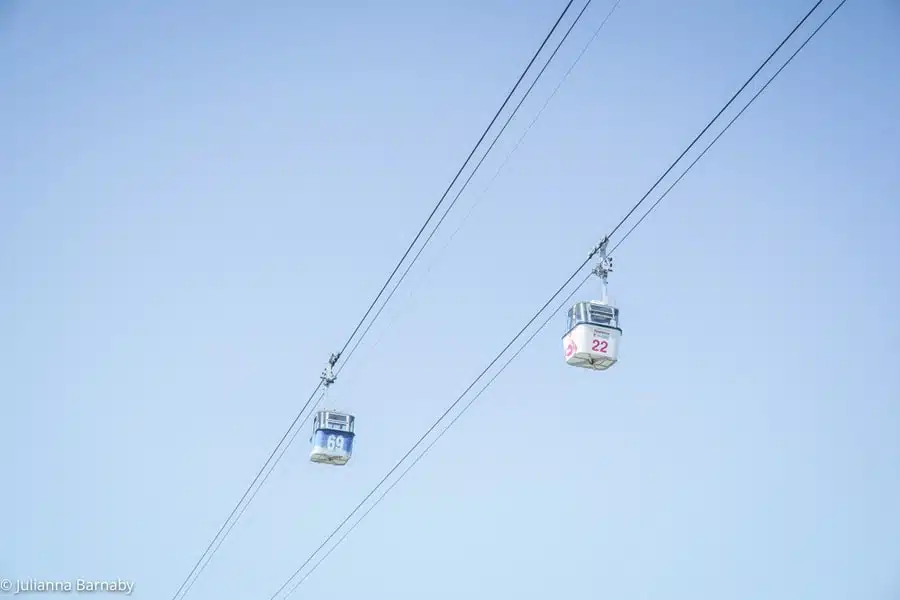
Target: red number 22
599,346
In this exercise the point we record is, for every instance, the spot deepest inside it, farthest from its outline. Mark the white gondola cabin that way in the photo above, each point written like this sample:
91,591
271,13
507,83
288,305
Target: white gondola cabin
592,336
332,439
592,328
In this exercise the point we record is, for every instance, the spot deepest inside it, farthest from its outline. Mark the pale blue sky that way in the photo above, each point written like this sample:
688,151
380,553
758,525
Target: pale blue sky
198,200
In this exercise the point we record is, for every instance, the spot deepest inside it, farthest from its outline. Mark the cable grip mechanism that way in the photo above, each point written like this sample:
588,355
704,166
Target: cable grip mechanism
328,377
603,267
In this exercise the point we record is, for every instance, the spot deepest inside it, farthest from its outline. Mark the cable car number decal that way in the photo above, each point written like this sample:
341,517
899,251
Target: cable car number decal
600,346
335,442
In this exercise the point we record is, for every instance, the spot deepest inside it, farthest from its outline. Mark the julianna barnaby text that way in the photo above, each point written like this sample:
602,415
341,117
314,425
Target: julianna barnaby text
31,586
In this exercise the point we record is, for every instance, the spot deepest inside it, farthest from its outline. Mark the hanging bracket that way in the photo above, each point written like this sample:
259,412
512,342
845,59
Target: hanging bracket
328,376
604,267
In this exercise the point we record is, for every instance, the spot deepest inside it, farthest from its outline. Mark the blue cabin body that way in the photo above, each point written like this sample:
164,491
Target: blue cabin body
332,439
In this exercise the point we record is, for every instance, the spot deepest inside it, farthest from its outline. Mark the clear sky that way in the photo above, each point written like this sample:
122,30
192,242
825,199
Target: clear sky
198,200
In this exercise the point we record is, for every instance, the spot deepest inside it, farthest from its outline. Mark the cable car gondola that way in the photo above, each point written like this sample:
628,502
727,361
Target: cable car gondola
592,327
332,438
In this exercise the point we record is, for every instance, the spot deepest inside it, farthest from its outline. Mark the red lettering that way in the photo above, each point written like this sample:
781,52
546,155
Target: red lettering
600,346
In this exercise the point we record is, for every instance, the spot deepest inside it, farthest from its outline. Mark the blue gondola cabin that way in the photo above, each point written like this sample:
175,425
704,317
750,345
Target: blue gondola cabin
332,439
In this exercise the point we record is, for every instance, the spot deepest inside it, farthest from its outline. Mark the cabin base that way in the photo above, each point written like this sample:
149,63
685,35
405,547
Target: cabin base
323,456
586,362
592,347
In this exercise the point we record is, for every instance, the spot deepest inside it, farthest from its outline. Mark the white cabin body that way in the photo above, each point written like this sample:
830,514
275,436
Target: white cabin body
592,335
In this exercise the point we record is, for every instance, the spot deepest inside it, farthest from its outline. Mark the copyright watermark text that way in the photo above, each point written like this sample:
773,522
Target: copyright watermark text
36,586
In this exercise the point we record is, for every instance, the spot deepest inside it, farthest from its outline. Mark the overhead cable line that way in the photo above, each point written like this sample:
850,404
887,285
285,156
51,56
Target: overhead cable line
465,184
727,127
559,291
434,441
496,174
213,546
517,145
